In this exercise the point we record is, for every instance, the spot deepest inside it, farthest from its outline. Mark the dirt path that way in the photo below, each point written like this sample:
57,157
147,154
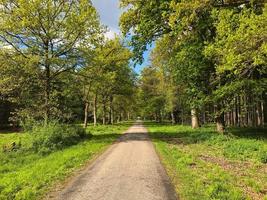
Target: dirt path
129,170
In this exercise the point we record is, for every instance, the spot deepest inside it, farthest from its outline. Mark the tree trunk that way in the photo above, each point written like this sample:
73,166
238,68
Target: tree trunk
204,116
160,117
110,118
104,113
86,114
121,116
262,113
220,125
182,117
47,98
47,84
128,116
194,118
239,112
236,113
95,110
173,118
219,119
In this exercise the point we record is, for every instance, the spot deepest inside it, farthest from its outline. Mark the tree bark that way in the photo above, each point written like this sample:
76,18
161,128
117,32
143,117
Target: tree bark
219,119
104,113
47,97
86,108
262,113
121,116
204,116
182,117
111,121
47,84
194,118
95,109
128,116
173,118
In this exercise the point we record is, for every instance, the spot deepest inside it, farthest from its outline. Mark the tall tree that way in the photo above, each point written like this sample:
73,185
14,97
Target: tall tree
106,75
51,33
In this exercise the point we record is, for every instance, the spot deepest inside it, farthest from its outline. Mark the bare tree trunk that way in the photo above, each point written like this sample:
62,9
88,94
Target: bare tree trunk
121,116
226,119
235,113
194,118
182,117
86,108
258,114
220,126
249,121
95,110
160,117
110,114
239,112
246,110
104,113
262,114
173,118
219,119
204,116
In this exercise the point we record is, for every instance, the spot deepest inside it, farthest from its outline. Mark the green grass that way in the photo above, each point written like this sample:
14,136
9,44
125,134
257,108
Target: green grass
203,164
28,175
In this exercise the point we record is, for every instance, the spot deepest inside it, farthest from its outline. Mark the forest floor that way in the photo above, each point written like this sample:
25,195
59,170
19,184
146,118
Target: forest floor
27,175
203,164
129,170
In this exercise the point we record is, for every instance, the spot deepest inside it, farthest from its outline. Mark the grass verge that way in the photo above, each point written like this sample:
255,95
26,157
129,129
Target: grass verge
203,164
25,174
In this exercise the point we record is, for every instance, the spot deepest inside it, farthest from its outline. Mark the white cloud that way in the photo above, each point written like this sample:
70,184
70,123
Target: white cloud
109,12
112,33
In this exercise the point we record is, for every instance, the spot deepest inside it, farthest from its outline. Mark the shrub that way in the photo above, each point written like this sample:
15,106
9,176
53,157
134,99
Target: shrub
54,136
29,123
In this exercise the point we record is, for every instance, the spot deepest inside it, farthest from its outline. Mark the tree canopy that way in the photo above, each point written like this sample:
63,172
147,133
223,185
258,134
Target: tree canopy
213,53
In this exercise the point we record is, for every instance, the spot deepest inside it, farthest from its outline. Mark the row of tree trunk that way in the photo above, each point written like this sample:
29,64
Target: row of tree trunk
243,111
108,114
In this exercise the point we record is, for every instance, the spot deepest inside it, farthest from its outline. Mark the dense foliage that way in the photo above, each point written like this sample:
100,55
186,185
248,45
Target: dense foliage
209,58
56,64
54,136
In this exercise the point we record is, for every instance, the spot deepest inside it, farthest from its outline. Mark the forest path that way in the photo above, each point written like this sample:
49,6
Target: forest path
129,170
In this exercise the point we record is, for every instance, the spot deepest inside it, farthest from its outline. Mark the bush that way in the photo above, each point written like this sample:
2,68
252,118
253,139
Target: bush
29,123
54,136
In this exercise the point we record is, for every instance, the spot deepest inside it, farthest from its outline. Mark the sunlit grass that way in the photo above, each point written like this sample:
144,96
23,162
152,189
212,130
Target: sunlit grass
28,175
206,165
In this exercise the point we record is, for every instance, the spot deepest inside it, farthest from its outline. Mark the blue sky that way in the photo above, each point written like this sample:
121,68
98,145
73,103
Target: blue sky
110,12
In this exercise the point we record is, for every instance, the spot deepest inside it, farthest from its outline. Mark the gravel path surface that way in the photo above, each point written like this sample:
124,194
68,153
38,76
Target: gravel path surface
129,170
